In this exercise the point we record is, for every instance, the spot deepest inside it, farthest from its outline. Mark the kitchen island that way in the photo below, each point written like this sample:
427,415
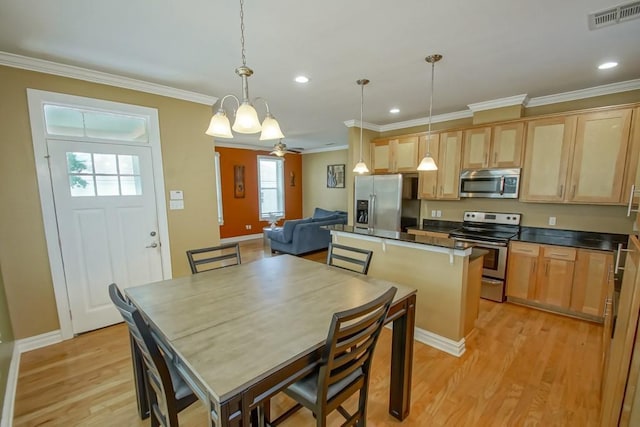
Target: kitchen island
446,274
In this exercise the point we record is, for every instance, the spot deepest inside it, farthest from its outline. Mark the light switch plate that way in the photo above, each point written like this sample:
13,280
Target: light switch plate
176,204
552,220
176,195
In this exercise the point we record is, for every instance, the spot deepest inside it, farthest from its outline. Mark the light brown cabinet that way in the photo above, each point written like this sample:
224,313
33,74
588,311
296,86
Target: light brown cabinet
554,277
576,159
444,183
493,147
522,269
625,345
591,282
546,159
572,280
392,155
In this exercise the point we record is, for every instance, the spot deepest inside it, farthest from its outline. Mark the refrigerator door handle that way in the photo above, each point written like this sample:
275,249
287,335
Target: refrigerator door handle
372,210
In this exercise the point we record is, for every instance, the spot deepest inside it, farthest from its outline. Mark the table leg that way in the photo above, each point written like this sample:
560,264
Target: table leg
139,380
401,361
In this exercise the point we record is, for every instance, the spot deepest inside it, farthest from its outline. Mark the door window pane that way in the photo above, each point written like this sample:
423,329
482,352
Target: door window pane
105,163
271,186
81,185
113,175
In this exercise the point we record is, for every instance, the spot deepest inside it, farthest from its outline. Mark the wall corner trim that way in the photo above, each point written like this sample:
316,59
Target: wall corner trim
10,392
455,348
49,67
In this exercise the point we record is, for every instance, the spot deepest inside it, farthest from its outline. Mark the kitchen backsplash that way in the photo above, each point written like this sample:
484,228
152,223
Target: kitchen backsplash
609,219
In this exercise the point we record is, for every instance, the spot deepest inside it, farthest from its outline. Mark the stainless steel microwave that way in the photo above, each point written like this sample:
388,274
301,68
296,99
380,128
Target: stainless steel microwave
493,183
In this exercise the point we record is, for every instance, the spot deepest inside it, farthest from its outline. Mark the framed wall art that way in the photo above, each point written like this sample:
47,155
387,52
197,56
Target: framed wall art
335,176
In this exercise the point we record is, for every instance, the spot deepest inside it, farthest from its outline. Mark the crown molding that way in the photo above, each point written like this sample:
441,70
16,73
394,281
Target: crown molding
585,93
49,67
499,103
456,115
325,149
365,125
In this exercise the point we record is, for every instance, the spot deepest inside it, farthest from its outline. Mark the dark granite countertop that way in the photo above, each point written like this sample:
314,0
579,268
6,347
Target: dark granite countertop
403,237
576,239
437,226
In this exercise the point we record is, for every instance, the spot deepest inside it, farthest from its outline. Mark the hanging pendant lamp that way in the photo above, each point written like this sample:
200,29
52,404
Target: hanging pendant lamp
427,163
361,166
246,120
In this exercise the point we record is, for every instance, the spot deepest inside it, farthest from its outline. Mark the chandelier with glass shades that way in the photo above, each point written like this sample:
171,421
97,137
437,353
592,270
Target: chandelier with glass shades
246,118
427,163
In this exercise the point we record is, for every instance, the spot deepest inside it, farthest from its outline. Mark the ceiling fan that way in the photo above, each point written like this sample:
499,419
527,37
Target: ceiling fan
280,149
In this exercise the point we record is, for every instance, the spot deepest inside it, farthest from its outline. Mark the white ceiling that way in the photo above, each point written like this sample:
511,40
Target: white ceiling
492,49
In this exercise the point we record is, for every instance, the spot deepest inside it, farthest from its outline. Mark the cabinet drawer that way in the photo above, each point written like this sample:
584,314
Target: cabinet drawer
525,248
557,252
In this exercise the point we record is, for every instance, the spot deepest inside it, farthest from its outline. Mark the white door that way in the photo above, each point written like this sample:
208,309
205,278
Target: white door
107,222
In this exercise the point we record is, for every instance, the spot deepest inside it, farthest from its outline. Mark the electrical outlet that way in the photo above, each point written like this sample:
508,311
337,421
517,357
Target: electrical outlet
433,213
249,227
438,214
552,220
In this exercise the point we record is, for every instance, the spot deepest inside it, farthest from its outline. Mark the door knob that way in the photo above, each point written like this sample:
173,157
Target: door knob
153,245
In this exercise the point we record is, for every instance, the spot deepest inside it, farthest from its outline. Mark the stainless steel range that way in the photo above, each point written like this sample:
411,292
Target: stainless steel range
490,231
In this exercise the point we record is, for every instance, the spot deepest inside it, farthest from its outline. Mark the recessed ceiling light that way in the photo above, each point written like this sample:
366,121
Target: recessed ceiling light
302,79
607,65
394,110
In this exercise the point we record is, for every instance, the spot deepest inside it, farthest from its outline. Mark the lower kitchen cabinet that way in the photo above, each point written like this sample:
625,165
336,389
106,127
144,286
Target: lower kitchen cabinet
567,280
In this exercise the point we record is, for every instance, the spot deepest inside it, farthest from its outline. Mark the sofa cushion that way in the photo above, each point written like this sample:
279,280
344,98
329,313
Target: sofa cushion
319,214
286,234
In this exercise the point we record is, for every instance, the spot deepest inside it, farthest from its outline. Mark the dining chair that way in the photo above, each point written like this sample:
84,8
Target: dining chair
167,392
345,364
349,258
214,257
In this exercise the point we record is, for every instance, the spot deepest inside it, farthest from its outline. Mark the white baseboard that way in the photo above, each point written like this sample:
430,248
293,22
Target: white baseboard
455,348
39,341
10,392
241,238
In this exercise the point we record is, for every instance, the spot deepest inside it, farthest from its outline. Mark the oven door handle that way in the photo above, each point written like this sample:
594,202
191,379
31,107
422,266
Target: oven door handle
502,185
482,242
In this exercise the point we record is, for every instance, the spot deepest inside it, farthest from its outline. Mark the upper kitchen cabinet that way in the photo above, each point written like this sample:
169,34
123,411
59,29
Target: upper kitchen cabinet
395,154
599,157
546,159
493,147
477,146
631,189
576,159
443,184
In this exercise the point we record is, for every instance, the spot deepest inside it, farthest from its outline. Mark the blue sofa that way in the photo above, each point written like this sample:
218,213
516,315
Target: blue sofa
300,236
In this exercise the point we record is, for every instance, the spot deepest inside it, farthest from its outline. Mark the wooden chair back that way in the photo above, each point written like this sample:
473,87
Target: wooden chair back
205,259
349,258
348,352
162,402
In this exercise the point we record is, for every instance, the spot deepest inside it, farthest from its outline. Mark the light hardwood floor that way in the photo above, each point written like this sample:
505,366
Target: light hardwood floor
521,367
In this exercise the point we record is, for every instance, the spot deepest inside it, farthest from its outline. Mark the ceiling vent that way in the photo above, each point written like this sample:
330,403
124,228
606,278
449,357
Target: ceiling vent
614,15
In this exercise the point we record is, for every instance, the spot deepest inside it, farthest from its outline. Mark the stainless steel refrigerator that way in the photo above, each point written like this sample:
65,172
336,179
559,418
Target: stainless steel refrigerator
379,200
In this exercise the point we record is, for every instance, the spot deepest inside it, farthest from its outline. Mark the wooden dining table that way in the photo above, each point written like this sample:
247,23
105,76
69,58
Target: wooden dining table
239,335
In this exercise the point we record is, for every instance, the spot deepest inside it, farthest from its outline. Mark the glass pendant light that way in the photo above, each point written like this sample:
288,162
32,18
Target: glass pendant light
246,120
361,166
427,163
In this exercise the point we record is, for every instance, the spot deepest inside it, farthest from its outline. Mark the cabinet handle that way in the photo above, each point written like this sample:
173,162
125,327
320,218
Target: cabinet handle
533,267
441,190
560,192
435,193
617,267
633,192
573,191
486,159
495,158
546,269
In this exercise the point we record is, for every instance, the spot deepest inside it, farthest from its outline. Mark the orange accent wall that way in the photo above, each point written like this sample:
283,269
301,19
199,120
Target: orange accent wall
241,212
